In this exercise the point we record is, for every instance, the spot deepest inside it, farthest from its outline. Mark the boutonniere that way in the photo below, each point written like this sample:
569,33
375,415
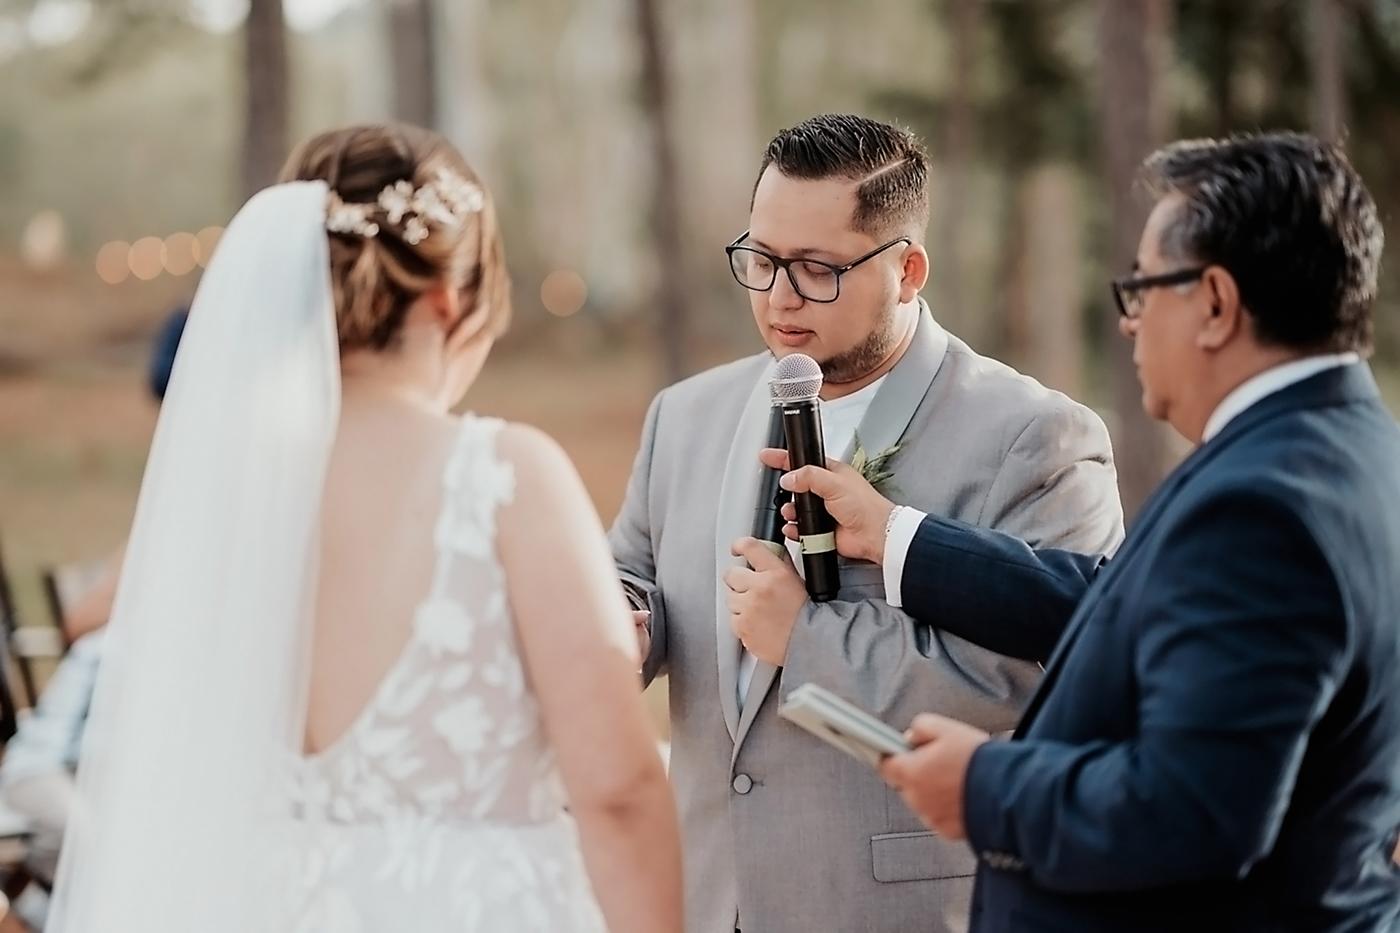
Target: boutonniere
875,470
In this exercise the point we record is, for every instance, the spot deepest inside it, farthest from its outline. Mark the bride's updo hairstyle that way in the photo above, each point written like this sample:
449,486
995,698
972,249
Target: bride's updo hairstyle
405,213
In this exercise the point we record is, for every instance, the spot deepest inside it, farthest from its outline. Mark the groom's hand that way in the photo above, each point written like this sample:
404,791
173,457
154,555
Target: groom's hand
861,513
641,620
765,599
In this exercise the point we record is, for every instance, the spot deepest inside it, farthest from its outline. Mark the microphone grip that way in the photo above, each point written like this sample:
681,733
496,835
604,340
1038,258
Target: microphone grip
816,529
767,511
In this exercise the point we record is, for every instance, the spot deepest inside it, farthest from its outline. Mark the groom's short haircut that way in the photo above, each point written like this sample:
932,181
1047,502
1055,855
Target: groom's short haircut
889,163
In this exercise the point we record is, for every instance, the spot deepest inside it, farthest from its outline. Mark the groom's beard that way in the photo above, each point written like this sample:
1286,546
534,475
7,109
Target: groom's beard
866,356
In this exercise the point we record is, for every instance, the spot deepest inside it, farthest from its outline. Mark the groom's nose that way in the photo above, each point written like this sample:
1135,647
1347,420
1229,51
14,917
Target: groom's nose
783,295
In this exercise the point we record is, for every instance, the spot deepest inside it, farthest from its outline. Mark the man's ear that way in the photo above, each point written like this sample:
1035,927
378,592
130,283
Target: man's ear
1222,316
914,273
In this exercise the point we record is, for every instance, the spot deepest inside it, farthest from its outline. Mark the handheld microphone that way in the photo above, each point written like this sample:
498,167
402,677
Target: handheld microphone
767,511
795,387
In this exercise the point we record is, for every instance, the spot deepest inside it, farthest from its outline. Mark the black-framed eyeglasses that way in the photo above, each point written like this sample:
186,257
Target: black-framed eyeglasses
813,279
1131,293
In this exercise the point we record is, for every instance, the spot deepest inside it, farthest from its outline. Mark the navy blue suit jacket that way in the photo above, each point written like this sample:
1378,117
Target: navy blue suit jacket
1216,743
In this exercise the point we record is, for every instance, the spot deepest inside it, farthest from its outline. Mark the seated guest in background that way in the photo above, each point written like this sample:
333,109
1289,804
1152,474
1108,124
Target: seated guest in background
1216,743
36,775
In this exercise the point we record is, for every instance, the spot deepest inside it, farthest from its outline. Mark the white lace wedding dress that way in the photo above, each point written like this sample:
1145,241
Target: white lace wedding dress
441,808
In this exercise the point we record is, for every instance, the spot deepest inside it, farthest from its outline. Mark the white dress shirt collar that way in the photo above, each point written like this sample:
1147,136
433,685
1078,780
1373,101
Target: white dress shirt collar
1259,387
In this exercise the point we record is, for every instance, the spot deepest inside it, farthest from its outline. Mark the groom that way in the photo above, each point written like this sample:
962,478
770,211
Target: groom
782,833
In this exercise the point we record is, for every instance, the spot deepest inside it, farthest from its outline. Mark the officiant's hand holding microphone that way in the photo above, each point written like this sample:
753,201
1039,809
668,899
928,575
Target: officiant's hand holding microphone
861,513
766,596
931,777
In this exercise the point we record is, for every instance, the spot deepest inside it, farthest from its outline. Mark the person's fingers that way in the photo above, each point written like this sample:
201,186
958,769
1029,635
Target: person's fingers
735,602
895,770
757,554
927,727
841,468
738,579
774,457
824,483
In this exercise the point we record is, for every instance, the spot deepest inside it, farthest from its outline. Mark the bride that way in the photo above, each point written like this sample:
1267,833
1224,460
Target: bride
365,654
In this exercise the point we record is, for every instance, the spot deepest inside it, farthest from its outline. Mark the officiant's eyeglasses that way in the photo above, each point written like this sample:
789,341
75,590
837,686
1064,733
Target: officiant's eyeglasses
1131,293
813,279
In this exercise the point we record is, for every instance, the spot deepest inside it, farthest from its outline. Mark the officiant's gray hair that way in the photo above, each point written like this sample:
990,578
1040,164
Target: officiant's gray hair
376,276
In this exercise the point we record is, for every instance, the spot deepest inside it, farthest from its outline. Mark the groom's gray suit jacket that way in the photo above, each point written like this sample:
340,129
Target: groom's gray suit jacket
781,832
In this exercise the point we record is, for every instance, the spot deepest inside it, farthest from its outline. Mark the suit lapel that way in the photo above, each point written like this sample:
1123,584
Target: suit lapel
884,423
1071,634
737,492
1142,528
763,676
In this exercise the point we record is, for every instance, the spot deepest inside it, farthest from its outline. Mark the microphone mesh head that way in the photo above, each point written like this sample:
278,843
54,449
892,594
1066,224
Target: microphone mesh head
797,379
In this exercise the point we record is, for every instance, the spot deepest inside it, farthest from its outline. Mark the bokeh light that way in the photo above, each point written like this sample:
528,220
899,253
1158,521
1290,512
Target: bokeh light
563,292
113,264
179,254
44,242
145,258
205,241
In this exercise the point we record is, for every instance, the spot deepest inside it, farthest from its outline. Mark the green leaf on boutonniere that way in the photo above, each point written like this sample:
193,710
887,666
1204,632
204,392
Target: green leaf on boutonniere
874,470
858,459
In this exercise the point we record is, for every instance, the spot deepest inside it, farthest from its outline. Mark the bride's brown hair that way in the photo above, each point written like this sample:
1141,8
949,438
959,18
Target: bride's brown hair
376,278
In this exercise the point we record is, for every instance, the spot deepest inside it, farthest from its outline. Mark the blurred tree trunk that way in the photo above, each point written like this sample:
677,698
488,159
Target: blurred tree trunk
1036,119
1134,45
715,63
413,61
266,112
959,140
1226,31
1043,330
1325,35
672,296
466,115
1015,297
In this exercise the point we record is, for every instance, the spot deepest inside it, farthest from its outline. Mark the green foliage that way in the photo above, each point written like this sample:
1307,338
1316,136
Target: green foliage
874,469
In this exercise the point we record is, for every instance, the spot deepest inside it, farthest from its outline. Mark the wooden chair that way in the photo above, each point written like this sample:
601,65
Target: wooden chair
15,875
27,645
9,621
64,585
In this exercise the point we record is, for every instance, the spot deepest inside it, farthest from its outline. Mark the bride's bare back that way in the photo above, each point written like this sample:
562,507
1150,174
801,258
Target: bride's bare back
383,495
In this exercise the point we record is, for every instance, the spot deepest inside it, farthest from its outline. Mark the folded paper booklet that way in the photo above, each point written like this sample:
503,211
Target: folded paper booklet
842,724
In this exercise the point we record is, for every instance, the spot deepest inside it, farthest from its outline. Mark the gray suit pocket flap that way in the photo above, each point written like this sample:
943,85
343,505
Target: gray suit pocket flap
919,857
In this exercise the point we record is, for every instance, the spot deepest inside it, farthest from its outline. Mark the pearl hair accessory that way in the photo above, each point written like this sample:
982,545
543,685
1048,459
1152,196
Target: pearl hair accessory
444,202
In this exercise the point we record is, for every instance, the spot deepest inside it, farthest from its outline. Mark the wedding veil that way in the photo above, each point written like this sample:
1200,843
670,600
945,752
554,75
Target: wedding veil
185,807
